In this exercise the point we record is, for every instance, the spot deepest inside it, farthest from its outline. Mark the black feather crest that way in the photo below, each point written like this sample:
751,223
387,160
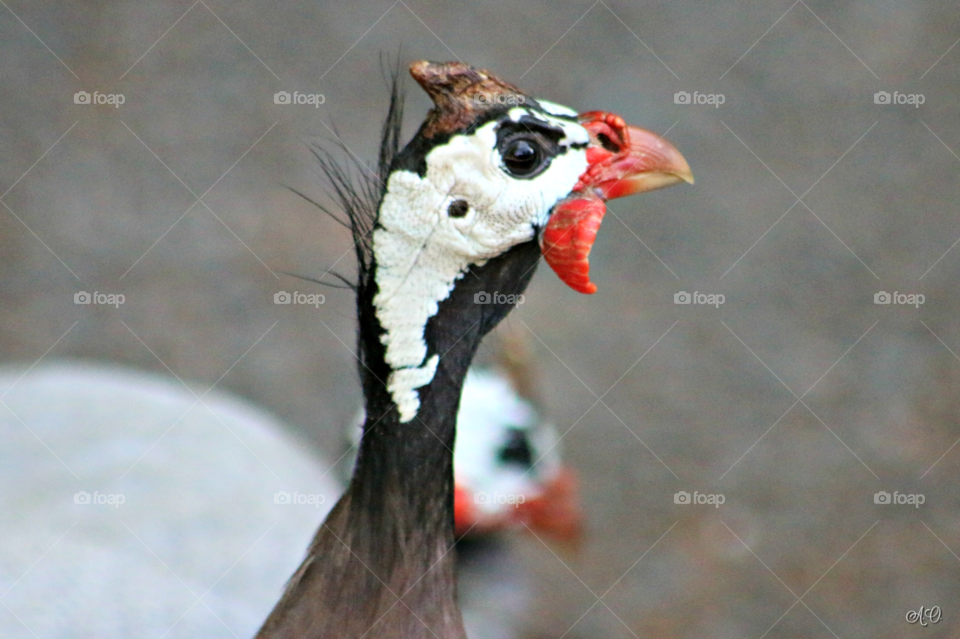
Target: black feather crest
356,187
359,189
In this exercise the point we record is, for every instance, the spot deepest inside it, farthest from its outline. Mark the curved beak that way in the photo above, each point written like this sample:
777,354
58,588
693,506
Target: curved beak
622,160
627,160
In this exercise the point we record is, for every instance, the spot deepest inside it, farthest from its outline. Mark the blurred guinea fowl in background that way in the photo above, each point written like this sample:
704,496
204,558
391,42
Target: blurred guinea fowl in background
209,527
136,507
507,452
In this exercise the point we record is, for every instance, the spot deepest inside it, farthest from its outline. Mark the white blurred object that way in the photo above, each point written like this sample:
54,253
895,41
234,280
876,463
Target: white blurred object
209,527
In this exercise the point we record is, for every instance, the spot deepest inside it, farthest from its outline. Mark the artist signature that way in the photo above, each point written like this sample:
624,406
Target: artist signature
924,615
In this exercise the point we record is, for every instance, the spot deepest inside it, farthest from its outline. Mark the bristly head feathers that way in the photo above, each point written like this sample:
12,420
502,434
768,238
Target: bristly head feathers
359,189
356,187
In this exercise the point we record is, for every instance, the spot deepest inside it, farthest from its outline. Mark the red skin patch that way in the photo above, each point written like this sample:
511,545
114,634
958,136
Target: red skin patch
556,513
568,238
622,160
464,512
553,513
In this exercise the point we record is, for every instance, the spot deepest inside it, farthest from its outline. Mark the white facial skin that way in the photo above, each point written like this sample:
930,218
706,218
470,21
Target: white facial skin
421,251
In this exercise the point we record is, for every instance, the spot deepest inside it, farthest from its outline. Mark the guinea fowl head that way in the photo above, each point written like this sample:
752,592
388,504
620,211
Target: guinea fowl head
490,171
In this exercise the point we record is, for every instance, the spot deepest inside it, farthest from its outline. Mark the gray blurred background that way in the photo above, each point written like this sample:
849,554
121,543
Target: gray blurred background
797,399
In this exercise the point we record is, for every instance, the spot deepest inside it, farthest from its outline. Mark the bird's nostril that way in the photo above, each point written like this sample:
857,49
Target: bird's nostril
458,208
607,143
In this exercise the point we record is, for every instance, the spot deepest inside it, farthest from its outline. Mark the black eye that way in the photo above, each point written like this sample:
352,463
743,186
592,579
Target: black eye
523,157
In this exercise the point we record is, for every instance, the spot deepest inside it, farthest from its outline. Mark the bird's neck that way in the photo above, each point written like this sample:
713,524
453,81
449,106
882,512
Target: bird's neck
382,564
401,495
400,500
404,470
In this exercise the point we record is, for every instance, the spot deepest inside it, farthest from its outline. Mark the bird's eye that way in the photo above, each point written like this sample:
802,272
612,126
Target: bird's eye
523,156
516,450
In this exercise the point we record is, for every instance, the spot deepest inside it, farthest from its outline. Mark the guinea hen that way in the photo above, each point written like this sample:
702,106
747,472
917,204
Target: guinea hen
492,180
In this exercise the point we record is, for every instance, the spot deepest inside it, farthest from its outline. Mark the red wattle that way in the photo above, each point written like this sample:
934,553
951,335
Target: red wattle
568,237
556,513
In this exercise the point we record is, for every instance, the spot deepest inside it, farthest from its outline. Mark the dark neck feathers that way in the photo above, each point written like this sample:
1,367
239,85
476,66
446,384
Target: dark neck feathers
382,565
